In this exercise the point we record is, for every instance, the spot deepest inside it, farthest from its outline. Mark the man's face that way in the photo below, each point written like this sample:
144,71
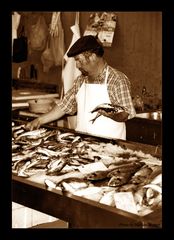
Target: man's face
83,63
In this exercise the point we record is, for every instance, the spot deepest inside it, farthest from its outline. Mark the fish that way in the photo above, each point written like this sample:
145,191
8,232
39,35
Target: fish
155,187
47,152
97,175
77,139
22,156
119,180
126,169
33,144
157,170
15,147
21,170
65,137
107,107
16,133
14,128
32,134
142,175
129,168
74,182
139,195
55,166
50,134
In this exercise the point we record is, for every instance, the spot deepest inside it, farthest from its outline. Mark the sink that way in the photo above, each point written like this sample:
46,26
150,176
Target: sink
155,115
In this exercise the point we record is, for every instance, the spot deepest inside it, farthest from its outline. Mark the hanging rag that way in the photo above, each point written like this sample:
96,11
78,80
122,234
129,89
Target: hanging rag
70,72
57,39
15,23
20,47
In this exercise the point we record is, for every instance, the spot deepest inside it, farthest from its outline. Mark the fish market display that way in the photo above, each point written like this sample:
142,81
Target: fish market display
56,154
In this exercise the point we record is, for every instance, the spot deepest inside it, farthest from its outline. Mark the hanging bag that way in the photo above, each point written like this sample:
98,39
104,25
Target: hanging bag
39,34
47,57
20,48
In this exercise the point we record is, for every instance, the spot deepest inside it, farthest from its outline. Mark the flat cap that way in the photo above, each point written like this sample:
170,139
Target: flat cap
85,43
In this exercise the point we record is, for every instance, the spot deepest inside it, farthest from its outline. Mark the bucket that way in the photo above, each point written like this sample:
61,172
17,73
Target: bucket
40,105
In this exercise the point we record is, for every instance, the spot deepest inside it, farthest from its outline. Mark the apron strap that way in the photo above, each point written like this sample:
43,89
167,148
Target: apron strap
107,74
77,18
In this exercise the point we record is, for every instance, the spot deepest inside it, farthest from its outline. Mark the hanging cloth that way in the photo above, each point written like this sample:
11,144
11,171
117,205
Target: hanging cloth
15,23
57,39
70,72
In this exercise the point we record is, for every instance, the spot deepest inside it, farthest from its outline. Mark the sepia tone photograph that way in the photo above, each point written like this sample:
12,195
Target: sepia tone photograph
86,119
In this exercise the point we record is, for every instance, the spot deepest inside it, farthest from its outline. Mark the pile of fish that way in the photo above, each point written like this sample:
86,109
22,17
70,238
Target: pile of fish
56,153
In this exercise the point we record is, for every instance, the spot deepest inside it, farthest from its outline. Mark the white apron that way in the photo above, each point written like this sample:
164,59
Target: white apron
88,97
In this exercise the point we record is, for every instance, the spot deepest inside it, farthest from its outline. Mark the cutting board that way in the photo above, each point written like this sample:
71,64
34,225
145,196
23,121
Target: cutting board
28,94
20,97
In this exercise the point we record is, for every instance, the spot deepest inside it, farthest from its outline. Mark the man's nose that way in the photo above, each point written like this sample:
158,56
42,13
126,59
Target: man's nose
78,64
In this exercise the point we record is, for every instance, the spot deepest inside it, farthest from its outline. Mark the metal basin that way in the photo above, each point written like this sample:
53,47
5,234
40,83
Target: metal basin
156,115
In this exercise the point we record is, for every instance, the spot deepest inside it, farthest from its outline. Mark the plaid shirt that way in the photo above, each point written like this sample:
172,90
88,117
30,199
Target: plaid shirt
118,86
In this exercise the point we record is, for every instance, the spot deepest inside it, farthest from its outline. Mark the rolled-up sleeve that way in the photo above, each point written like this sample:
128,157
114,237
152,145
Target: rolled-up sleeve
120,93
68,104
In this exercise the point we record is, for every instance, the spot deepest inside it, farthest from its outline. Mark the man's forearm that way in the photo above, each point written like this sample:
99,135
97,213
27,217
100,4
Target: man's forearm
51,116
118,117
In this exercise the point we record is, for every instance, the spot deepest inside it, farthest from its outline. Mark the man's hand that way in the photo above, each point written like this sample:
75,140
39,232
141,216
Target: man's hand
35,124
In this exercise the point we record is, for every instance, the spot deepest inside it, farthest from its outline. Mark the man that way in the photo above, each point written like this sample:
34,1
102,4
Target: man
99,83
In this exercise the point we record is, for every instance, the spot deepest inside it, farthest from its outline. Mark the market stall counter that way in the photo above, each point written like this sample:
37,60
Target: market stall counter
87,181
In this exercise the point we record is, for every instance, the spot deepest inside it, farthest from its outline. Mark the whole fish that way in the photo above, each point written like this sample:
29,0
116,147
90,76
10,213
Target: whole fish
97,175
47,152
116,181
142,175
107,107
120,169
119,180
22,156
74,182
125,168
22,168
16,133
14,128
56,165
32,134
65,137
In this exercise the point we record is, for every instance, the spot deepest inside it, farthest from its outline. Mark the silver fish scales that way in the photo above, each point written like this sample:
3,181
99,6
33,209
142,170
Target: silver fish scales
32,134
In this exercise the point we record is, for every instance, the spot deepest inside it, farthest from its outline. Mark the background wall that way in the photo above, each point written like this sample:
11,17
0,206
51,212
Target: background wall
136,48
